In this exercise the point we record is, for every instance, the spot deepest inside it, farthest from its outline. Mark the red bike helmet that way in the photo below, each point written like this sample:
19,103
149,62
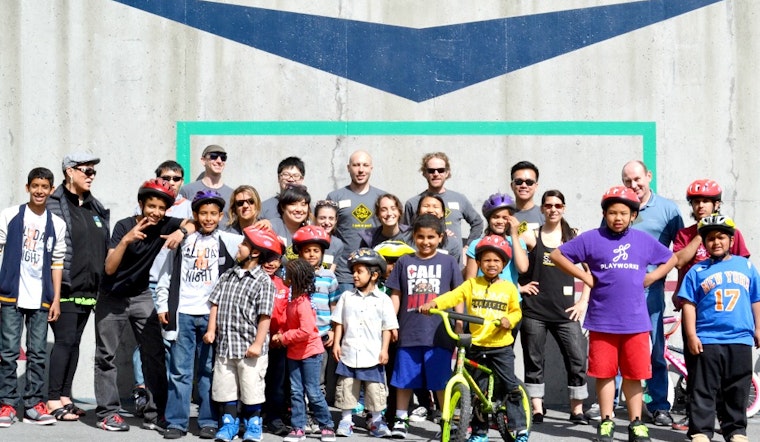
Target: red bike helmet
494,243
158,188
704,189
263,239
621,194
311,235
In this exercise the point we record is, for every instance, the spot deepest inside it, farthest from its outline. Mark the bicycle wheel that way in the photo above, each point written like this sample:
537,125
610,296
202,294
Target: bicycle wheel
502,421
460,400
753,404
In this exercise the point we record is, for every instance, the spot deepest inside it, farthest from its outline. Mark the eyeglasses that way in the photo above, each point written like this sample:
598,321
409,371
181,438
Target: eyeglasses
241,203
176,179
520,182
87,171
213,156
557,206
440,170
329,203
291,176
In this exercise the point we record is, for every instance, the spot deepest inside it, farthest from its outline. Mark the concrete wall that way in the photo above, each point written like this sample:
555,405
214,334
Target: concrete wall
114,79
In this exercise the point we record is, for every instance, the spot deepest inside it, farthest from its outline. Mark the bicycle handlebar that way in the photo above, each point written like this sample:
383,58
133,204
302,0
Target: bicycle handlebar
460,316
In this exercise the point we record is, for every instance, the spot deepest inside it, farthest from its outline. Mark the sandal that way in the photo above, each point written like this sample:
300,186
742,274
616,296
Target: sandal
75,410
64,414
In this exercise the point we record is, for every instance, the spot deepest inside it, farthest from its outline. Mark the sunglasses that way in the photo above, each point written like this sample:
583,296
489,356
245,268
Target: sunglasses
440,170
557,206
87,171
520,182
241,203
176,179
329,203
214,155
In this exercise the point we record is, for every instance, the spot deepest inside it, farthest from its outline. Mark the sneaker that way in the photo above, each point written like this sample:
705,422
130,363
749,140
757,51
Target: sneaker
419,414
638,431
738,438
7,416
140,399
699,437
173,433
400,428
114,422
296,435
277,427
327,435
253,429
312,427
38,415
157,423
436,416
230,428
681,425
578,419
662,418
478,438
538,418
379,429
606,431
207,433
345,429
595,413
522,436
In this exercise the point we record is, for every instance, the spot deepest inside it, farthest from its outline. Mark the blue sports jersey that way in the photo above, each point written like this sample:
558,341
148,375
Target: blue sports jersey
723,292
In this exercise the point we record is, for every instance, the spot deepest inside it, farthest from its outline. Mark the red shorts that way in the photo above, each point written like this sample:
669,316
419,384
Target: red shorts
631,353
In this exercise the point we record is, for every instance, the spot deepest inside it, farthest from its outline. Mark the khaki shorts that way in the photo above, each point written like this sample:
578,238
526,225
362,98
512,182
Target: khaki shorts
240,375
347,394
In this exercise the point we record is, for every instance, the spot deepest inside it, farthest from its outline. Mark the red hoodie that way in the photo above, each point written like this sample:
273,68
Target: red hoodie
300,333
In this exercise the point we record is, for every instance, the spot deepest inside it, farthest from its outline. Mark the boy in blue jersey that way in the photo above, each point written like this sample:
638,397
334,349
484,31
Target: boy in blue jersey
720,319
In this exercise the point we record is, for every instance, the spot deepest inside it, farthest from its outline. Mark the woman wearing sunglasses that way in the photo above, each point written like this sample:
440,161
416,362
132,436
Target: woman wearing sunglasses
87,233
244,209
549,306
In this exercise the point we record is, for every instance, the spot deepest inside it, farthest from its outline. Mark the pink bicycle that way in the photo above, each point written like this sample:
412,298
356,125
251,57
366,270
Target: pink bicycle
676,364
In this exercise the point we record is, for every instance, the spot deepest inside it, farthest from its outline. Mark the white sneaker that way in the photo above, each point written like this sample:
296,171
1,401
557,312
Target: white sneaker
419,414
595,413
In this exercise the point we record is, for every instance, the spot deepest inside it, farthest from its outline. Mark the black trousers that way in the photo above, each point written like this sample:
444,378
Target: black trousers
720,370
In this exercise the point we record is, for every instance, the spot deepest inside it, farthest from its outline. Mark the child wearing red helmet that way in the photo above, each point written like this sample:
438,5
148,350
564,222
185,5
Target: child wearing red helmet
491,298
617,316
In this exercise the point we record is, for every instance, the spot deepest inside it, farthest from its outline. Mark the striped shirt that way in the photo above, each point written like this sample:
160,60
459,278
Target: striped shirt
325,293
241,296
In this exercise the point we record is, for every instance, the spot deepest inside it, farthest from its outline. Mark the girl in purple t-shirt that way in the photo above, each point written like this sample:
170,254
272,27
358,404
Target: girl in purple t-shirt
617,316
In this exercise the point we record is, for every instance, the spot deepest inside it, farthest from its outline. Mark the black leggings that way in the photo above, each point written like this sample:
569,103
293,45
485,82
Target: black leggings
64,356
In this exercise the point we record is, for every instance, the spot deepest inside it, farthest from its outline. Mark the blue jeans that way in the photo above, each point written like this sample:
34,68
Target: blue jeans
658,384
12,321
186,351
304,378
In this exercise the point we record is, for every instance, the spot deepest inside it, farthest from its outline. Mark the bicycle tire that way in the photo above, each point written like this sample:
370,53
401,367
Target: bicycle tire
753,404
460,399
502,421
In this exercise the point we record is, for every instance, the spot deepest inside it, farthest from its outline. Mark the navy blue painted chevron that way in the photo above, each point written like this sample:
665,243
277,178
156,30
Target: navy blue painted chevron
417,64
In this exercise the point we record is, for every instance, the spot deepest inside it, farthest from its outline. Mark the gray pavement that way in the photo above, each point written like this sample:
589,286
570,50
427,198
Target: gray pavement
555,428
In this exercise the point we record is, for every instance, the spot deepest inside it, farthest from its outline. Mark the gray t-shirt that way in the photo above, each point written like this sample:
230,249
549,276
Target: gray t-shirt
269,209
190,189
355,213
458,208
532,216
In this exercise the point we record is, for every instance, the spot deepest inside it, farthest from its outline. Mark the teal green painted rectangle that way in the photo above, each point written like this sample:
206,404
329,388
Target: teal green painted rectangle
646,130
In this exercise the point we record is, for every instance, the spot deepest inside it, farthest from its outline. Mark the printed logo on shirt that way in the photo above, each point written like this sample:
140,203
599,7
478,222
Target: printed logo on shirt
200,272
32,239
423,284
621,255
362,213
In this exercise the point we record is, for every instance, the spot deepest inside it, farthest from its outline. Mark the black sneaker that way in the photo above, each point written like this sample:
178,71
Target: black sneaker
606,431
638,431
157,423
113,423
173,433
140,399
207,433
662,418
578,419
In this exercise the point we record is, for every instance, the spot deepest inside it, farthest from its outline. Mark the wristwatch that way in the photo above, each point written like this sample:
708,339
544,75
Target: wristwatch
184,232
